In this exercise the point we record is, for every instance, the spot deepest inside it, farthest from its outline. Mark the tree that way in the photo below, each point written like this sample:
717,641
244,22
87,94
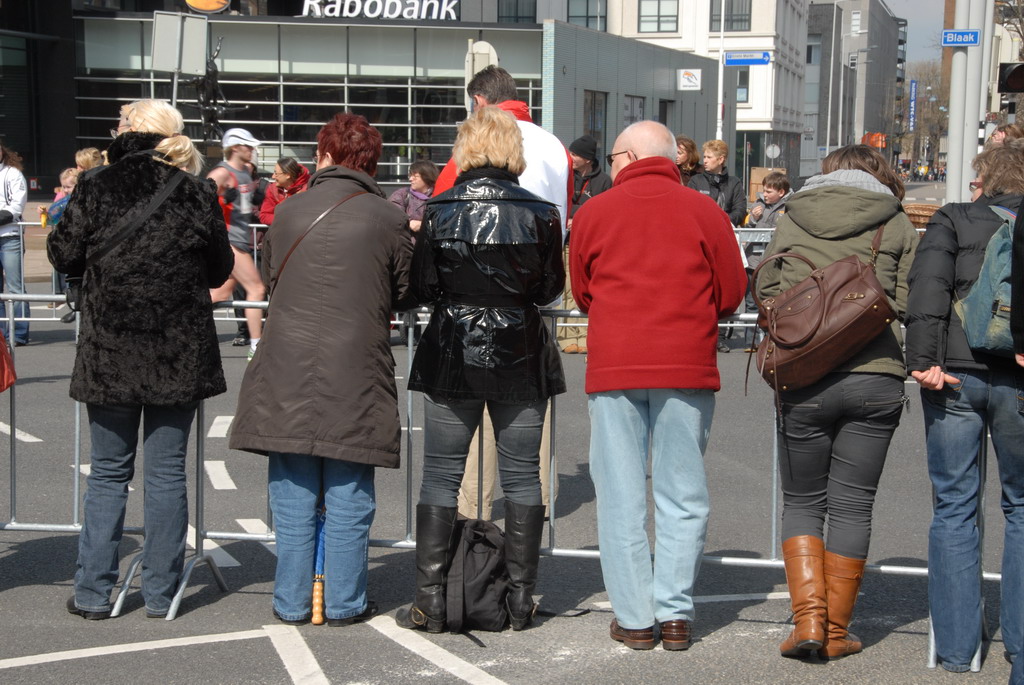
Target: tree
932,116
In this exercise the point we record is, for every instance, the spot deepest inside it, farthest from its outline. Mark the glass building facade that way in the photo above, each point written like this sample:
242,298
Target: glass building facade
283,80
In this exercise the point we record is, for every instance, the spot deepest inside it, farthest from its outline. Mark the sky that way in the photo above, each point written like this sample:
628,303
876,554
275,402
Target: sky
924,26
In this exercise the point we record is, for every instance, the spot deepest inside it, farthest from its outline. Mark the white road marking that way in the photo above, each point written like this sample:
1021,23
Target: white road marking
18,433
86,469
414,428
298,659
708,599
423,647
217,472
258,527
219,427
210,547
37,659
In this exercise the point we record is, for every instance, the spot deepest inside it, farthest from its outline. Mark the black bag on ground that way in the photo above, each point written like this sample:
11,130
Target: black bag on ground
477,578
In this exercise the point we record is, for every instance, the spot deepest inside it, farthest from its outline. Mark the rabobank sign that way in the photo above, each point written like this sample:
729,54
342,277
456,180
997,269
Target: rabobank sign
443,10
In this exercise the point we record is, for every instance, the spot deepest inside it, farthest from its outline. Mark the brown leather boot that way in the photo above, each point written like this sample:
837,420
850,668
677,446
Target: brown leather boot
805,577
842,583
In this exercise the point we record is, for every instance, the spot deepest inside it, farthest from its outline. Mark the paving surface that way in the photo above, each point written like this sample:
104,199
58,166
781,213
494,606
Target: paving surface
231,637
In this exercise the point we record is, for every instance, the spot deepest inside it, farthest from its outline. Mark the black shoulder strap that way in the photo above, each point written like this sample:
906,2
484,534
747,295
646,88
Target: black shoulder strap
455,585
122,233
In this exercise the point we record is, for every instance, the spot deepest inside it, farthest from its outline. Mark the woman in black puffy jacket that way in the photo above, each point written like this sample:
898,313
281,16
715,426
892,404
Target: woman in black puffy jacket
968,396
489,254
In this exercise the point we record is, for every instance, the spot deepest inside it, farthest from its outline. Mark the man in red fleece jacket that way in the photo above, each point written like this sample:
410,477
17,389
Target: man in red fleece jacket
652,371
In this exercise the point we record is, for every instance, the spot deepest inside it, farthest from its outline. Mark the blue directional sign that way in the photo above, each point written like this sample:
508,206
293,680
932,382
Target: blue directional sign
742,59
961,39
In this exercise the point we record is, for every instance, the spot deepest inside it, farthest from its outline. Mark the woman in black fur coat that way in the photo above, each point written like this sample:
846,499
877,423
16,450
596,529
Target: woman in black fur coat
147,347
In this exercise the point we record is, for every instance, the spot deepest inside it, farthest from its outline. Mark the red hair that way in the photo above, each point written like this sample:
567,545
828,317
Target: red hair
351,142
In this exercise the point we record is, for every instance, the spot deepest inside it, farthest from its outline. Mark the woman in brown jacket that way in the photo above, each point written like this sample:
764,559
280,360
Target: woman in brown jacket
319,397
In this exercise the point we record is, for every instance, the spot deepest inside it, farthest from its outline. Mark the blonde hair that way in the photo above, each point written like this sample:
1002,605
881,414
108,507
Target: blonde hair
489,137
157,116
718,148
70,173
87,158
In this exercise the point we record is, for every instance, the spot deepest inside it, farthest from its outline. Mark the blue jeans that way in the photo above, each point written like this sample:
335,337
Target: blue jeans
11,259
295,483
447,434
674,426
954,420
115,436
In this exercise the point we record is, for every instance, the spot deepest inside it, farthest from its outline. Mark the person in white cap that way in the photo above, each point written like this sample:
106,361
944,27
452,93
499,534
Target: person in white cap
235,186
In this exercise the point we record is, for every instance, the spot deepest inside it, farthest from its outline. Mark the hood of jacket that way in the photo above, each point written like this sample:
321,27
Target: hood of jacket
841,203
338,172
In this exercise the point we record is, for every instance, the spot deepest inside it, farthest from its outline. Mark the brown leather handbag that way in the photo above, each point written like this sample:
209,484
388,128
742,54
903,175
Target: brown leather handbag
822,321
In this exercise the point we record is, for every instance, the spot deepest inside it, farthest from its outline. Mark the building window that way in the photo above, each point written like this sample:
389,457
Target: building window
814,50
589,13
855,21
664,111
595,107
517,11
632,109
853,60
742,84
659,16
737,15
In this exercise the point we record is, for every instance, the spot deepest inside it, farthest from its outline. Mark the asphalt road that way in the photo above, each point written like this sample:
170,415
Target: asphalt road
231,637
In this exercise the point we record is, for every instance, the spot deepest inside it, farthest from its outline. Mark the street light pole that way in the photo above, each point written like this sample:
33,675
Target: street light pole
720,119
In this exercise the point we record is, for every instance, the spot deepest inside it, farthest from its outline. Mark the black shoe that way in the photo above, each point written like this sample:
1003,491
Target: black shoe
240,341
88,615
68,318
368,613
722,347
291,622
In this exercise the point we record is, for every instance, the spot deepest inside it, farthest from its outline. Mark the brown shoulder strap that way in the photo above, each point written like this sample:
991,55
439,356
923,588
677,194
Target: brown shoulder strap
280,269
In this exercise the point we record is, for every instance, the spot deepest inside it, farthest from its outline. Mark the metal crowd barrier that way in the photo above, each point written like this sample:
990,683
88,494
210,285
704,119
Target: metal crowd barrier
408,542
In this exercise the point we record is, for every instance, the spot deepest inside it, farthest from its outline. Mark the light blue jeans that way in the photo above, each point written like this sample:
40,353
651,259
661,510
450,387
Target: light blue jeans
674,426
295,482
954,420
11,260
115,436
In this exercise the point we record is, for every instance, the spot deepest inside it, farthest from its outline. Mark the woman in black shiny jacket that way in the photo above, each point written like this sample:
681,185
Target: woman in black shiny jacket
488,255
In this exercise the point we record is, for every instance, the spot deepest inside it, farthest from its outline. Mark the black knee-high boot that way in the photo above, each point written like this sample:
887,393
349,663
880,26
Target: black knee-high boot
435,527
524,526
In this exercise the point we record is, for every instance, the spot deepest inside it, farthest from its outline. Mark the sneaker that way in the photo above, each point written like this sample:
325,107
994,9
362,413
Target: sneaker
722,347
240,341
252,353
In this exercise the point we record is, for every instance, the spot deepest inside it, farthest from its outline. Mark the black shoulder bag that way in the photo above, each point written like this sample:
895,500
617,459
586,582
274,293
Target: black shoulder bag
75,284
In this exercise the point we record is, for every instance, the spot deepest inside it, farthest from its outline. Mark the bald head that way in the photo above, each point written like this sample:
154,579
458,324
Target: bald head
643,139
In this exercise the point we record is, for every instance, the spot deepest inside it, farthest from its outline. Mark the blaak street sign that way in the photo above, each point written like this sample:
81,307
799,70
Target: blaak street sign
961,38
744,59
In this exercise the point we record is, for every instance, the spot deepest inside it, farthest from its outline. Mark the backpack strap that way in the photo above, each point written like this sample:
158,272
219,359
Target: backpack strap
455,586
177,177
1007,215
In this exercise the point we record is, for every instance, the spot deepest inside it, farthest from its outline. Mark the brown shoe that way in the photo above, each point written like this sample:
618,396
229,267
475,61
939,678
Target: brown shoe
571,348
634,639
675,635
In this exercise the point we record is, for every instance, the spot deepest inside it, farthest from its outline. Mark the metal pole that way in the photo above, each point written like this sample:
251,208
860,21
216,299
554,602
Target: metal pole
14,409
831,74
409,423
976,75
957,110
986,58
720,119
841,138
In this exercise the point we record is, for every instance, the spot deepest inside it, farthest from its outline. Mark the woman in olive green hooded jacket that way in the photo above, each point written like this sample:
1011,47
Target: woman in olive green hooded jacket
834,434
